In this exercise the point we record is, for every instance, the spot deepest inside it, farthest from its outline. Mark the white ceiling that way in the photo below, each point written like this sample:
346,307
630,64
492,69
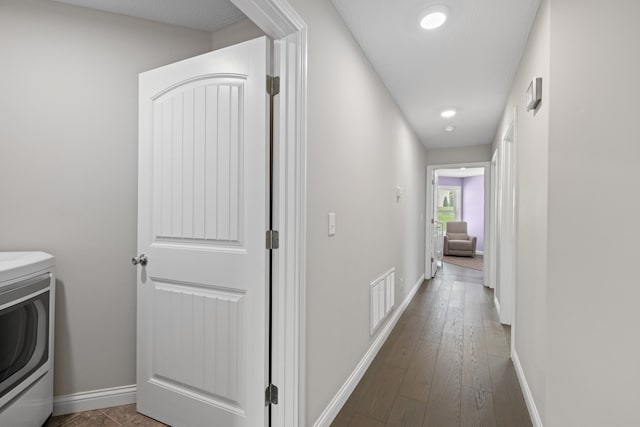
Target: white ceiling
207,15
467,64
459,173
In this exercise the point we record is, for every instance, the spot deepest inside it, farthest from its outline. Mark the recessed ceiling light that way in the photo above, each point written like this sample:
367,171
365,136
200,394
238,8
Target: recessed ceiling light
449,128
448,113
433,20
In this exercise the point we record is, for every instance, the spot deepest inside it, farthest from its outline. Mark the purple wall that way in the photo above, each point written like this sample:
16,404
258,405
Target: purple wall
448,180
473,207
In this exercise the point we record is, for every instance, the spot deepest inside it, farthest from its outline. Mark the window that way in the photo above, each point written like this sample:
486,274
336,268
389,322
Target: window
449,204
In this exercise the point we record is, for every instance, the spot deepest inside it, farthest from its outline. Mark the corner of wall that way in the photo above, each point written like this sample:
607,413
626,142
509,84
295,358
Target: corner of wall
235,33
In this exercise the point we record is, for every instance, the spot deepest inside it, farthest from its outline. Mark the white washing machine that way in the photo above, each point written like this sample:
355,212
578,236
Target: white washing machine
27,312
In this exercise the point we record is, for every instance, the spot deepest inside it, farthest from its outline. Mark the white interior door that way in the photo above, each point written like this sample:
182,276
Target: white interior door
436,242
202,217
432,249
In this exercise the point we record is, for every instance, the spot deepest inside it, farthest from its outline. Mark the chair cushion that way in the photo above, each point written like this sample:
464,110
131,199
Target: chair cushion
460,245
457,227
457,236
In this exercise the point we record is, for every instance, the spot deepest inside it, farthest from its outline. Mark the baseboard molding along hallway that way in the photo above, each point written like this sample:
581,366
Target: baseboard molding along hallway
338,401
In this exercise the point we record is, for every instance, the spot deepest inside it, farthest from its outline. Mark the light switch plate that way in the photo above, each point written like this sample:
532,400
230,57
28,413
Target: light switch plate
332,224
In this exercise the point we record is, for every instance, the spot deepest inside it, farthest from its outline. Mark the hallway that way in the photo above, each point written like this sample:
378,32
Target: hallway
446,363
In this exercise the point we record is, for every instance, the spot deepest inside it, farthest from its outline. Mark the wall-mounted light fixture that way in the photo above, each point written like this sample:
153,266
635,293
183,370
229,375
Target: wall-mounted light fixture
534,93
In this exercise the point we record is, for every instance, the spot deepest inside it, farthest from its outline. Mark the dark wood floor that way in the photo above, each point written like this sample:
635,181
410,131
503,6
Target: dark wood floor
445,364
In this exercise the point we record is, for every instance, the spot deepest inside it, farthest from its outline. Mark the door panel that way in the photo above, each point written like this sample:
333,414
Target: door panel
198,163
202,306
436,239
205,325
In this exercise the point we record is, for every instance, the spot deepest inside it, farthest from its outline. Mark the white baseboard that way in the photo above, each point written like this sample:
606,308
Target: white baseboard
497,304
338,401
96,399
480,252
526,391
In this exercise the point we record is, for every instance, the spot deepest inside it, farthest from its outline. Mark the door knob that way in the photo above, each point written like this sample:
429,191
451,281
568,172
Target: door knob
140,259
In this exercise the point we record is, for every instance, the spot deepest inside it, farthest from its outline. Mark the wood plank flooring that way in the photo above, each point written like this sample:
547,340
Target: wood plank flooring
446,363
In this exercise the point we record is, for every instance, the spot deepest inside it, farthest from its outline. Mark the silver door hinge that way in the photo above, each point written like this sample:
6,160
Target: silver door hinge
271,395
273,239
273,85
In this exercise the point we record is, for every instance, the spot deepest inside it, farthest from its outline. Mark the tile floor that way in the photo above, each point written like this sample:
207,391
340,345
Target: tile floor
108,417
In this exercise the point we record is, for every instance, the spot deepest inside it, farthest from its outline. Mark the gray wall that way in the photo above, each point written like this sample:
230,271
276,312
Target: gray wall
68,167
577,295
443,156
359,148
592,291
532,141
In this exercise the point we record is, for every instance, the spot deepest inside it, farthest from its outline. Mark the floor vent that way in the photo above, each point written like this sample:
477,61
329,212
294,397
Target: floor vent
381,299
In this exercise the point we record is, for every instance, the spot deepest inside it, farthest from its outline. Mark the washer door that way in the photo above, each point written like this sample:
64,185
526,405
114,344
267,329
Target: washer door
24,340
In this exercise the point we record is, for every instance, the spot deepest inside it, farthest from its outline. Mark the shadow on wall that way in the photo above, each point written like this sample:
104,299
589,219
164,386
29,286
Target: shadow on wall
62,341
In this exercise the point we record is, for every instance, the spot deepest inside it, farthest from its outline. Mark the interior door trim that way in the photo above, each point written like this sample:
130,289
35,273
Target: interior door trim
279,20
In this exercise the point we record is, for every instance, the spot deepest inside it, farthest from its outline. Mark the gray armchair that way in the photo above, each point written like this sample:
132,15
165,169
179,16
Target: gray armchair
457,241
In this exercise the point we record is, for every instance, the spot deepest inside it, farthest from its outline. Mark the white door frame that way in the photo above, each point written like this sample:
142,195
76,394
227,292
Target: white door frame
429,209
492,262
506,231
281,22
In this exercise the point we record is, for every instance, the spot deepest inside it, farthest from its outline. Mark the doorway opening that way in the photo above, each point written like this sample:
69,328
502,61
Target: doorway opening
502,268
280,22
501,271
458,207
